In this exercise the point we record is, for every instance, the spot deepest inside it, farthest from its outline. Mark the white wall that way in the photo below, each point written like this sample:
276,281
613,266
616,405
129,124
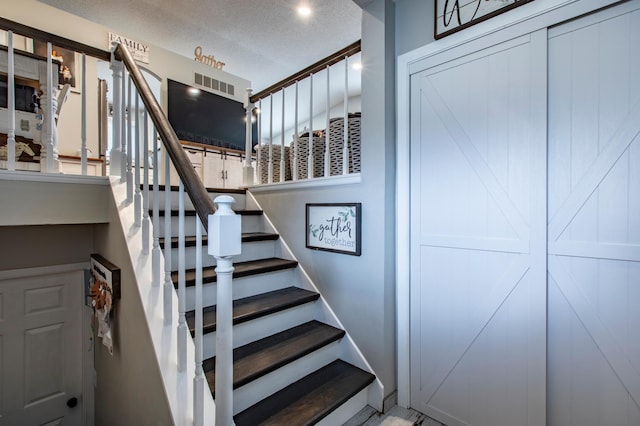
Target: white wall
361,290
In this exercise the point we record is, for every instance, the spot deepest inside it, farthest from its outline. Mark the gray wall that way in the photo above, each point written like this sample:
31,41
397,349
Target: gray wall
414,24
361,290
130,389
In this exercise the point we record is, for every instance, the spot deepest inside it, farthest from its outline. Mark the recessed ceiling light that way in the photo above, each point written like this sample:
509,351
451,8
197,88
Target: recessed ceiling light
304,11
357,66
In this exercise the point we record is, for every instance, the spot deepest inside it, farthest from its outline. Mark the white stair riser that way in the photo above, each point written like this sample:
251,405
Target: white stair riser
250,223
247,395
250,251
347,410
238,205
262,327
244,287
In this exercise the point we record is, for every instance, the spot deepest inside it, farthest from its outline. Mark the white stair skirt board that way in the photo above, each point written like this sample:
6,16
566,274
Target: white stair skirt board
250,250
188,205
245,287
255,391
262,327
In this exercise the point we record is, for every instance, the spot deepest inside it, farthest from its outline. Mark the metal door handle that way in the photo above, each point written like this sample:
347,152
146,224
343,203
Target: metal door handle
72,402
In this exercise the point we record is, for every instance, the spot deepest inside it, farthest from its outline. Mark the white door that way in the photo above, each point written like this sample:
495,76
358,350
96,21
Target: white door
478,246
41,350
594,220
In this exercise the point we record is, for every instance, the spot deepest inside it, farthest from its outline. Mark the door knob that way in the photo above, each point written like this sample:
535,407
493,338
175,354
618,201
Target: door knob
72,402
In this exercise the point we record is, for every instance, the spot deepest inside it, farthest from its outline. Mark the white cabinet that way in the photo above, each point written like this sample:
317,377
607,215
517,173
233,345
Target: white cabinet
216,168
222,169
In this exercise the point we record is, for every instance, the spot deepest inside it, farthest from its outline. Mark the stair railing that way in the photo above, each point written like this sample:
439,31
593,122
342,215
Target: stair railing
311,154
224,233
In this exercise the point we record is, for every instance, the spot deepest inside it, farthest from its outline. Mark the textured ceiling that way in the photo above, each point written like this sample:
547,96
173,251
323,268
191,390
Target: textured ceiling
263,41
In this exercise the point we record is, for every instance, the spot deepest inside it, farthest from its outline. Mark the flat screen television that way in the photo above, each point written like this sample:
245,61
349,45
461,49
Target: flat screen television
206,118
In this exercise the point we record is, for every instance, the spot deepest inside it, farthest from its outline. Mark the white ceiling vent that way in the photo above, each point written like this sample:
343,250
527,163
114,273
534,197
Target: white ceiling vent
212,83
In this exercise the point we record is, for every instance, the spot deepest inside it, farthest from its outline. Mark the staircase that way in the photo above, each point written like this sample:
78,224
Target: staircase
292,364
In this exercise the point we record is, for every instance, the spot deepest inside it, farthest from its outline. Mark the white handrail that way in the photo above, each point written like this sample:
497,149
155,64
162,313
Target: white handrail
198,379
115,156
295,138
345,144
282,167
129,175
155,252
270,164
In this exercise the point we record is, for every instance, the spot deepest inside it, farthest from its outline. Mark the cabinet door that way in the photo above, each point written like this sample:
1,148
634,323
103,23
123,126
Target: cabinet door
212,167
233,171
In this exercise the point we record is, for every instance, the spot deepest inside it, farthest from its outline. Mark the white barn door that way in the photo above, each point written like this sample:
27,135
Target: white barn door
478,241
594,220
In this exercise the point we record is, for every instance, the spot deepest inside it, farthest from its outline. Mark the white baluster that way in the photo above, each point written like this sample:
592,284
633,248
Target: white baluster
295,138
155,252
129,160
11,104
83,117
123,128
168,283
199,379
248,168
115,156
224,243
345,144
327,155
182,322
270,163
145,198
310,171
49,104
282,168
259,155
137,200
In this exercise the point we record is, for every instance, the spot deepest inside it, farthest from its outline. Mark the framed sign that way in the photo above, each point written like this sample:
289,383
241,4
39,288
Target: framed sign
334,227
455,15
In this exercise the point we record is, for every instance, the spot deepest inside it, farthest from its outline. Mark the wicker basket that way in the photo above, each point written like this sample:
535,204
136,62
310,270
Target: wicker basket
303,156
336,144
264,163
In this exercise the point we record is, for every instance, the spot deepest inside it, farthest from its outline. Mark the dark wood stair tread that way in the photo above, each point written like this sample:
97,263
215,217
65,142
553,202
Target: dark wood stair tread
241,269
263,356
174,188
310,399
187,213
247,237
250,308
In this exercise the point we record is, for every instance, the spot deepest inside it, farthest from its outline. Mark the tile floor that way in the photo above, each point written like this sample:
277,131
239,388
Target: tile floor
396,416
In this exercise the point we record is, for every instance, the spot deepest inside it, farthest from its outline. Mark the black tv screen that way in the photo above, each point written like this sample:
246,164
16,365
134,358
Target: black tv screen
206,118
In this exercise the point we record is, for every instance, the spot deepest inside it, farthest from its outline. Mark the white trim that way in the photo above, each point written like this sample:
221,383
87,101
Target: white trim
308,183
53,178
520,21
10,274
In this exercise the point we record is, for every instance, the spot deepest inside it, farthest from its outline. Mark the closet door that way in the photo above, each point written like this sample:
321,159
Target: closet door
594,220
478,248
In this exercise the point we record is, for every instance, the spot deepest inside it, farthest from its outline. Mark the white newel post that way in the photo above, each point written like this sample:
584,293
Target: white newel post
115,157
248,168
224,243
11,106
